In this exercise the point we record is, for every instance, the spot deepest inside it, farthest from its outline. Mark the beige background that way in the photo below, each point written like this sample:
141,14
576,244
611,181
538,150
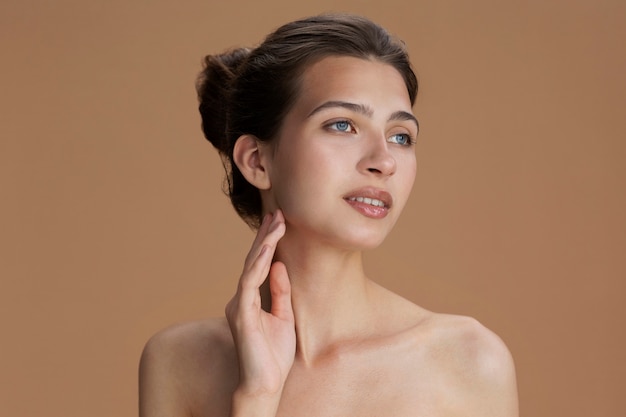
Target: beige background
113,224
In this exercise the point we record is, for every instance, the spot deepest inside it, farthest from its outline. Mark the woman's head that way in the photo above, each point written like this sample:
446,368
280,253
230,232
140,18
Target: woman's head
249,92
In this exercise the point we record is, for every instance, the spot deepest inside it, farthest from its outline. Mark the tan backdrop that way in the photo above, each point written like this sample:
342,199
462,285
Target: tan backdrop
113,224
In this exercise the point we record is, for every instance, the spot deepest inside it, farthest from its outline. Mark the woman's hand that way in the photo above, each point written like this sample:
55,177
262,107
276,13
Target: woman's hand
265,342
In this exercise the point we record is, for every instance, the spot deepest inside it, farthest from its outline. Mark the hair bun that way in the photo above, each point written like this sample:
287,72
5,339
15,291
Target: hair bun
214,87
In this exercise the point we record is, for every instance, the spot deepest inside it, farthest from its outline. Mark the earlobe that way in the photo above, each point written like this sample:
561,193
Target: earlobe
247,155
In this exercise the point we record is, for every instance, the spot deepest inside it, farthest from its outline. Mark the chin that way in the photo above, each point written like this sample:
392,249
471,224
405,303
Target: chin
342,234
363,242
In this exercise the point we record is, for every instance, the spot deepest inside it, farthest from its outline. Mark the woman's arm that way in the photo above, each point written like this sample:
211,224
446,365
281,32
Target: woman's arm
184,366
265,341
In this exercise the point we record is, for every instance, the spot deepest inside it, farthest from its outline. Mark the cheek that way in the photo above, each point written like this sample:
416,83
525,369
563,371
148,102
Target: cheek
289,182
412,176
408,172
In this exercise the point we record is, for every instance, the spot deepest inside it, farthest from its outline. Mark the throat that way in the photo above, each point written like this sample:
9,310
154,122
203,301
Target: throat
327,321
330,294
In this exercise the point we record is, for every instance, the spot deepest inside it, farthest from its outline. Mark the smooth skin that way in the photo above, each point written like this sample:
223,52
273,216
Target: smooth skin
333,343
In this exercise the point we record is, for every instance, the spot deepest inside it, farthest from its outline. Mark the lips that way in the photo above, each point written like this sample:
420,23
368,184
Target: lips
370,202
367,200
372,196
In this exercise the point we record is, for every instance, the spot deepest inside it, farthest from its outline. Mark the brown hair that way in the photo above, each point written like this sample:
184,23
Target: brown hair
245,91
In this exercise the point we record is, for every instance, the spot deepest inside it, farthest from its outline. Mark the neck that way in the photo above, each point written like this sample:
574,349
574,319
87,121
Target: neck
330,296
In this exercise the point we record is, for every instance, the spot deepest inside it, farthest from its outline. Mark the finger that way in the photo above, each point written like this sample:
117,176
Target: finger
280,288
265,235
257,272
270,234
251,280
260,235
257,268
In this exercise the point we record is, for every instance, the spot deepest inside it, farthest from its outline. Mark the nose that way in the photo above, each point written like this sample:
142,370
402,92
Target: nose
377,159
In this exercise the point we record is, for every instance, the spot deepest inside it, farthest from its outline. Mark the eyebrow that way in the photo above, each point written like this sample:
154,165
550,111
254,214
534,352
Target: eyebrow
364,110
357,108
404,115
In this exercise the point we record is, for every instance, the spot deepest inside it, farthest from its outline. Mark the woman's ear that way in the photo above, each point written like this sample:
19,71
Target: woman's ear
248,156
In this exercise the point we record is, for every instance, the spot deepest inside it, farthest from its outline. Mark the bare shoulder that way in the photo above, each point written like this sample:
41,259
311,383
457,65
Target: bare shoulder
475,365
467,339
185,365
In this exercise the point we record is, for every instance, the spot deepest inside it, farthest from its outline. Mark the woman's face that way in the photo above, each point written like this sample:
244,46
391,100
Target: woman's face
344,164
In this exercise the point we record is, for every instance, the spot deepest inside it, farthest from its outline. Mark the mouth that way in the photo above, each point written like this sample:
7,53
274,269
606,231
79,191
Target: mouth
371,202
370,195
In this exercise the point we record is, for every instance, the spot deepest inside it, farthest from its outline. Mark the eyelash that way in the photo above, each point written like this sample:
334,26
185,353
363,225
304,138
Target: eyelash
333,126
349,123
409,139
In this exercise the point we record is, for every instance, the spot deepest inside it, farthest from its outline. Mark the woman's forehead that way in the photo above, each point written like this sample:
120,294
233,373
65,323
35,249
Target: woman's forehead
364,82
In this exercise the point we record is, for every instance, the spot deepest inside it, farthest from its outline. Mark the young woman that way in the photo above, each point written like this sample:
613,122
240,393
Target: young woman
317,133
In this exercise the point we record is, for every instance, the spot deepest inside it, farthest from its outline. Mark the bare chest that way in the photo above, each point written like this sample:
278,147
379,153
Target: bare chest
363,389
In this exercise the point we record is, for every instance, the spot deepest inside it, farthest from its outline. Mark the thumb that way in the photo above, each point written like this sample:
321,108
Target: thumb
280,288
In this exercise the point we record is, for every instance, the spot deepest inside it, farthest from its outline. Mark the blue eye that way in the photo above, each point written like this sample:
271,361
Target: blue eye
342,125
401,139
